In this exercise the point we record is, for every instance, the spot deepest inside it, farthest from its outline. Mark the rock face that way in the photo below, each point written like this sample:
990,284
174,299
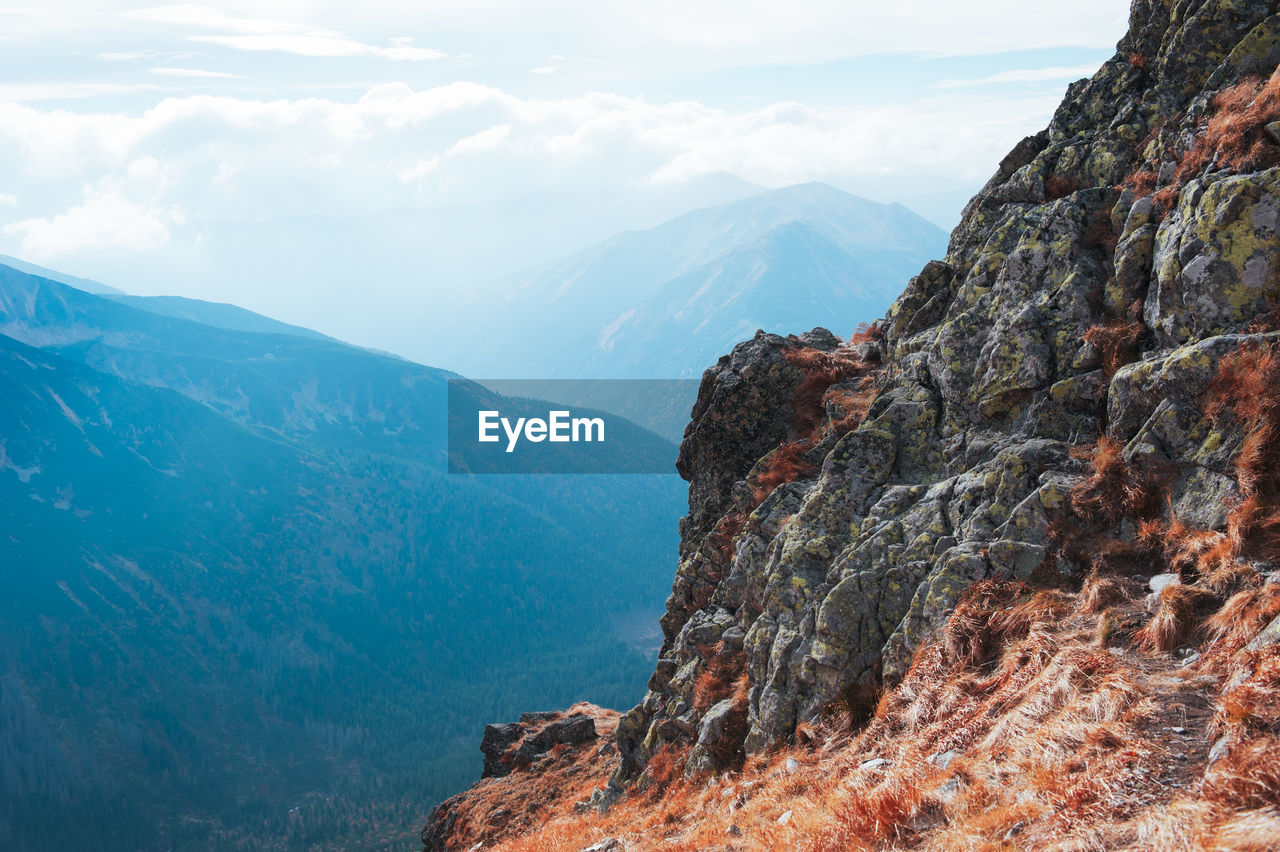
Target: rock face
546,755
1121,223
537,734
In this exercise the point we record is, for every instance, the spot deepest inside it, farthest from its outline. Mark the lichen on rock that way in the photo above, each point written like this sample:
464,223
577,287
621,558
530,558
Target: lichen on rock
962,464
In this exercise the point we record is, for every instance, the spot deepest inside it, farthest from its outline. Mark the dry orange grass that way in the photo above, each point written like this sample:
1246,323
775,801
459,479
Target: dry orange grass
821,371
1176,620
1116,342
1052,744
1113,490
824,370
725,535
850,404
1234,138
719,678
785,464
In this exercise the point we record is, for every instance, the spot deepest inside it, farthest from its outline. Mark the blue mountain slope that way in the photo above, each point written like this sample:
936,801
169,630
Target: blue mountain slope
216,314
86,284
245,606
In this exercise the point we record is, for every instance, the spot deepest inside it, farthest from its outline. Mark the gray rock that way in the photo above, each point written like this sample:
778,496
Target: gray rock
494,744
943,759
1218,751
1266,637
571,731
609,844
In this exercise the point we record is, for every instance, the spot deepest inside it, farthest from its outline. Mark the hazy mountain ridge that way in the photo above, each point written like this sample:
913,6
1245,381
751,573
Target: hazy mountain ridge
86,284
217,314
665,302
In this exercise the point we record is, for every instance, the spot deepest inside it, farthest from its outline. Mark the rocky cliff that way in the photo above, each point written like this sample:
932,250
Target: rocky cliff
1075,406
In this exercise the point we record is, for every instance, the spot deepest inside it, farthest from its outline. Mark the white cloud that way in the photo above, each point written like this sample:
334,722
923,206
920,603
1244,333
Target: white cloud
130,55
264,34
489,139
1025,75
8,199
326,44
419,170
545,69
106,220
231,158
194,72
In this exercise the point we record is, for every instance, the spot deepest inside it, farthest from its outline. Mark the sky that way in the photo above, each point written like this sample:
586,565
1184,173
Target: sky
353,166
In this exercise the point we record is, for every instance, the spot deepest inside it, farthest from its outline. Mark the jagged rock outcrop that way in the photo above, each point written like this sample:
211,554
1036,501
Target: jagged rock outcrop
1029,403
529,765
1091,288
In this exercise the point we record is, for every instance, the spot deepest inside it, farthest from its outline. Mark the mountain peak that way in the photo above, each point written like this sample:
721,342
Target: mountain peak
669,299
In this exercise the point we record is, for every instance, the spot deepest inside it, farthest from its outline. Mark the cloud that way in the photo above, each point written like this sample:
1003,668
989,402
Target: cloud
107,219
194,72
676,36
419,170
1024,75
232,158
545,69
8,199
265,34
327,44
131,55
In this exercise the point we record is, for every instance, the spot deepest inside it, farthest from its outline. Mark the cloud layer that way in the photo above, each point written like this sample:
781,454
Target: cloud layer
271,152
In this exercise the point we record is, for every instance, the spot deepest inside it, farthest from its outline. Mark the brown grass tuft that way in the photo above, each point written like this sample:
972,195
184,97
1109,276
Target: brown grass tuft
1100,593
1234,138
718,678
1247,831
1175,621
848,405
1248,776
1113,490
1142,182
725,535
1243,615
1117,342
821,371
785,464
1056,186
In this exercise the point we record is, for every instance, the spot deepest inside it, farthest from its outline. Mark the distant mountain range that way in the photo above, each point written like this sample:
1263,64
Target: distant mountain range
244,604
666,302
